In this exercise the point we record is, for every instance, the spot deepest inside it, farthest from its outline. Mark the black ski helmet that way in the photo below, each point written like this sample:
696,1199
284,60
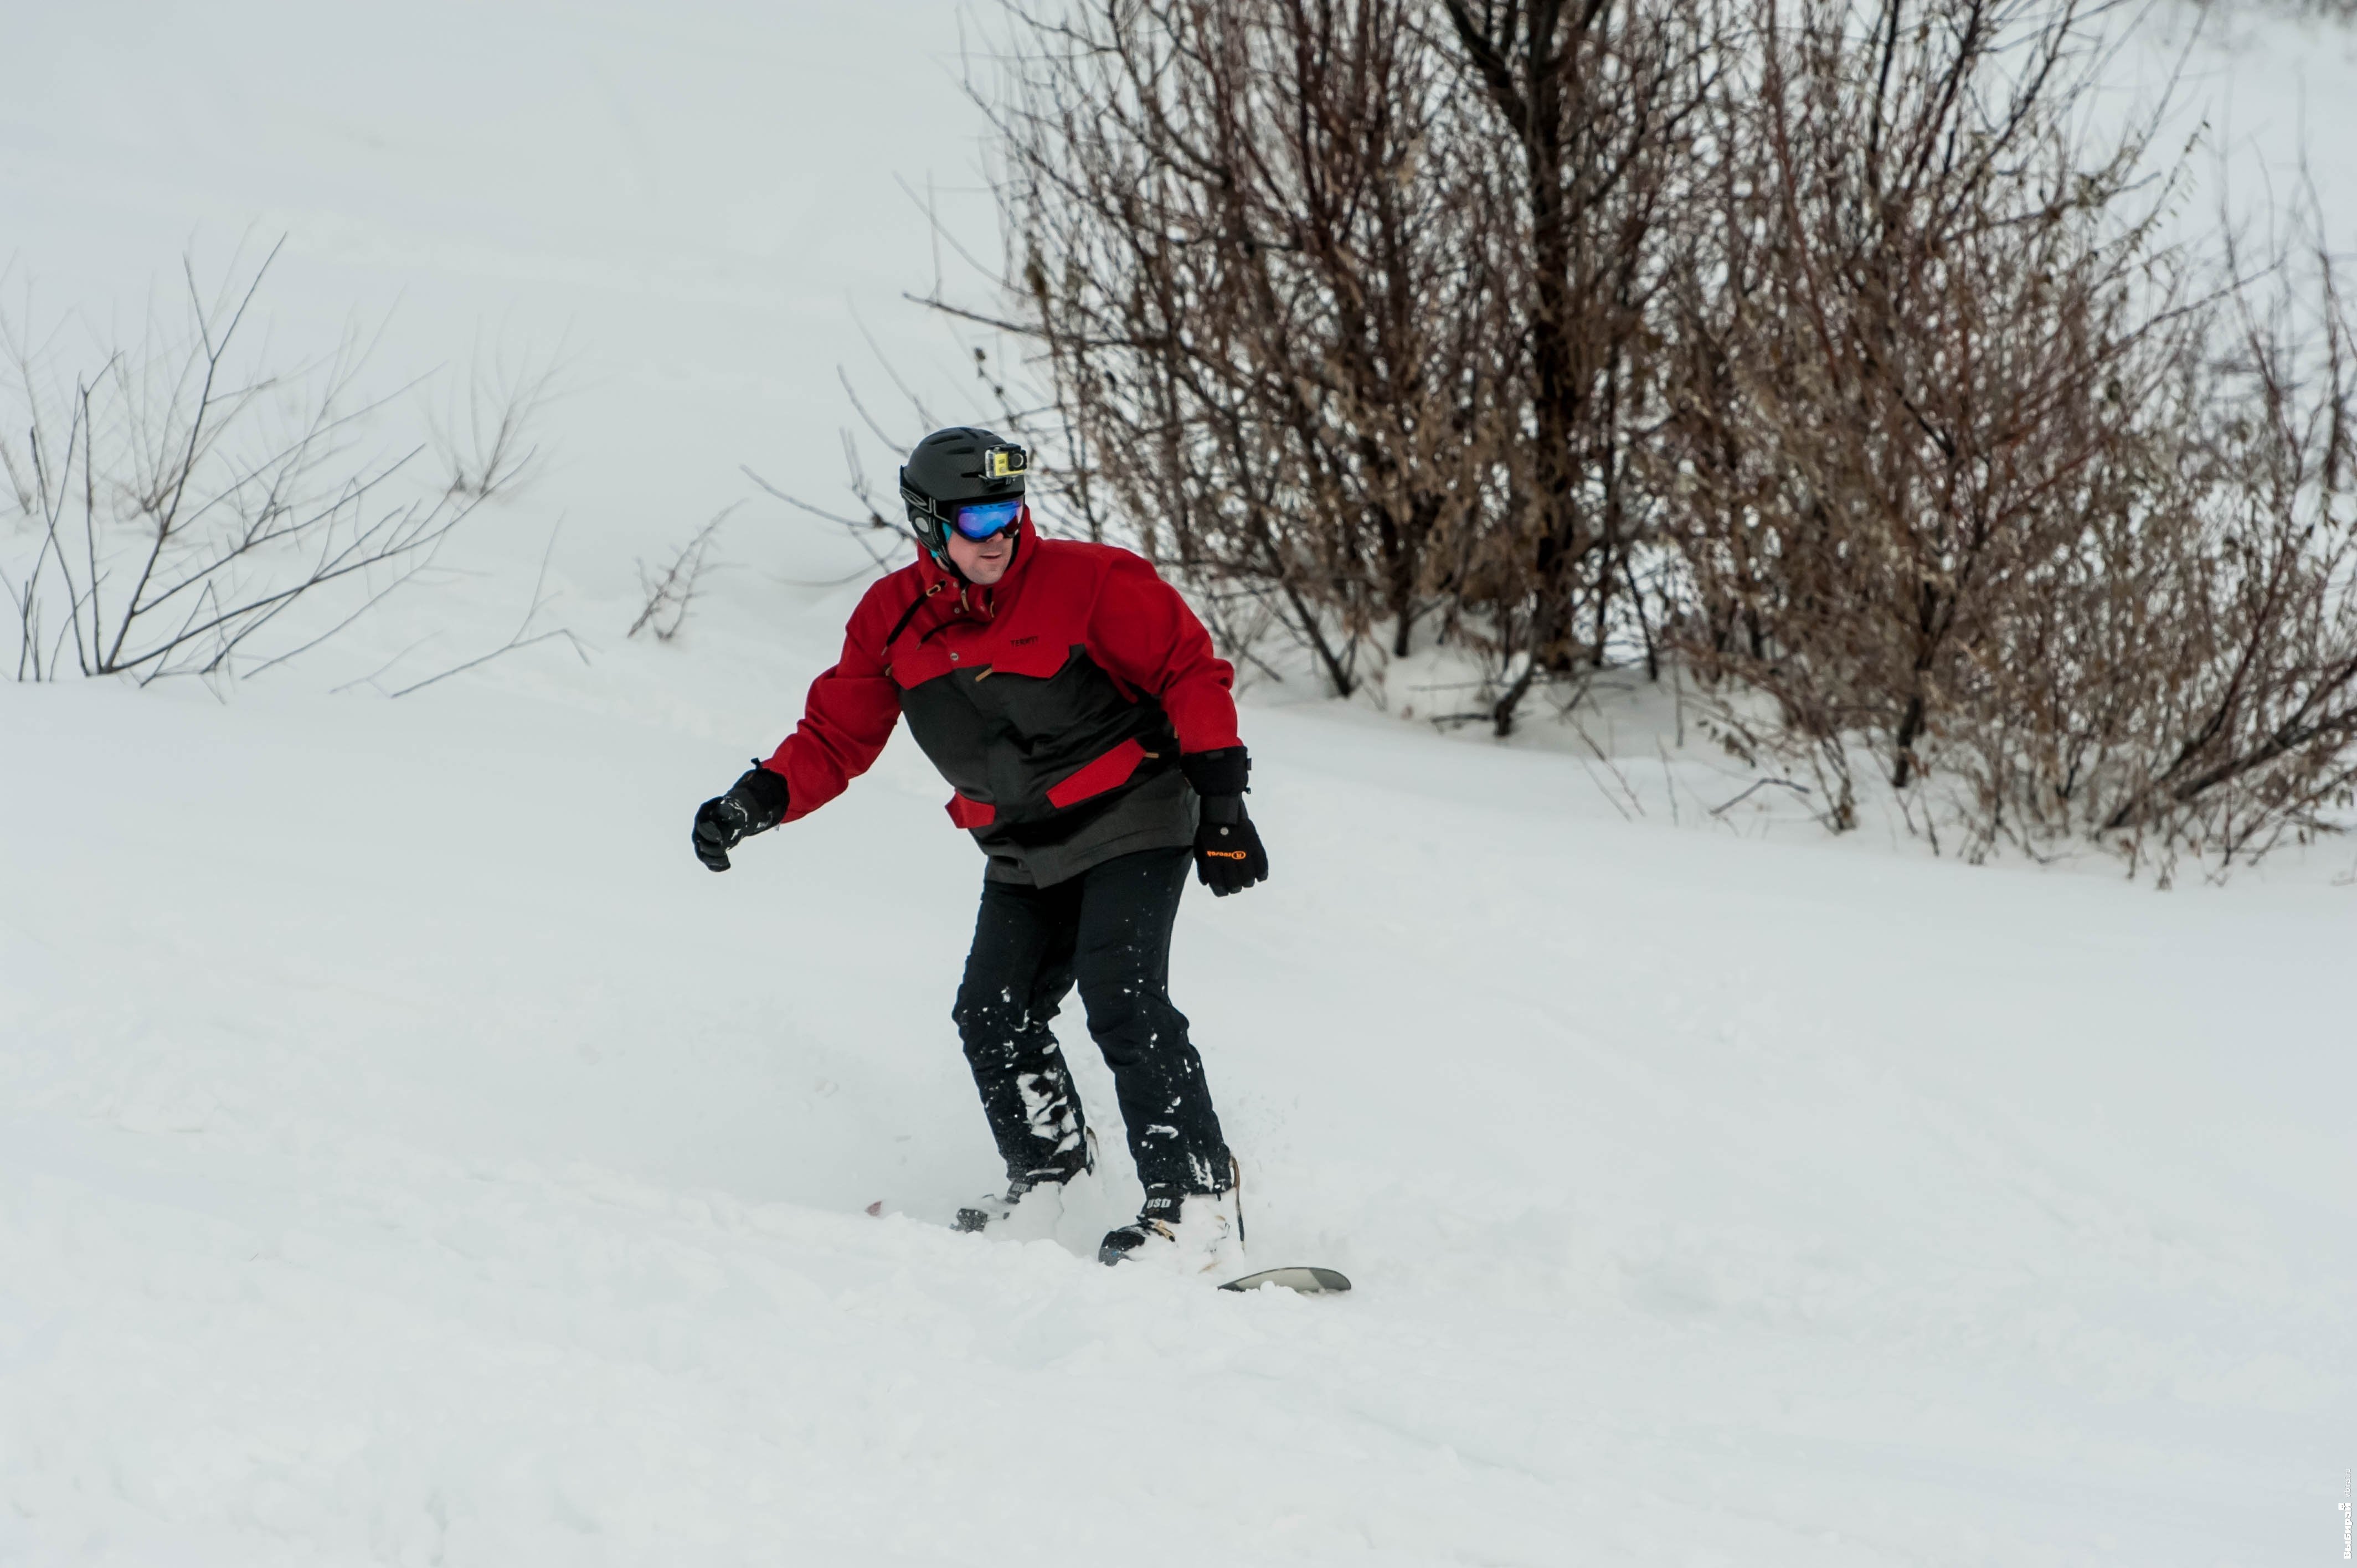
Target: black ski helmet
951,466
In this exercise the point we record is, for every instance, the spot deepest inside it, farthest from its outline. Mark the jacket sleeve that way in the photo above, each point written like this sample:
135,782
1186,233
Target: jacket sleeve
847,716
1142,633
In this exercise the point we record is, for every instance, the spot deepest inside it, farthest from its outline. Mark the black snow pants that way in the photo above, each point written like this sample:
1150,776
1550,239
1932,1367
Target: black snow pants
1107,928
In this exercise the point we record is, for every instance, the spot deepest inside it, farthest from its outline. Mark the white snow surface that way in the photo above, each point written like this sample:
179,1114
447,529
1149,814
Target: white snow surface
409,1154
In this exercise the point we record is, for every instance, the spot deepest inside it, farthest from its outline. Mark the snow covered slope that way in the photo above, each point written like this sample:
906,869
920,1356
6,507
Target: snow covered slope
409,1154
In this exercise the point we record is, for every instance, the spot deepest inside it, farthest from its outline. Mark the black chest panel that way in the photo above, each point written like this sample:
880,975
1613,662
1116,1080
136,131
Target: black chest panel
1006,739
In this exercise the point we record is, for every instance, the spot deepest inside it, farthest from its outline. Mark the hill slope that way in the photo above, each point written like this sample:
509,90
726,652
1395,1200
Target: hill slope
408,1154
408,1151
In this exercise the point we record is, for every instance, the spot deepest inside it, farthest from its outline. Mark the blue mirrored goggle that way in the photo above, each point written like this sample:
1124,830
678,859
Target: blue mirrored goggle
979,519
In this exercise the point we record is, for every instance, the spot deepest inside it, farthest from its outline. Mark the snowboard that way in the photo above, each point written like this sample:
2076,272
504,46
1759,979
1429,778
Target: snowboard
1307,1280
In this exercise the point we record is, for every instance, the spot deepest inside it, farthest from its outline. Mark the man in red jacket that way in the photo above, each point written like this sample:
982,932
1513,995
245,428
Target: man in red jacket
1074,703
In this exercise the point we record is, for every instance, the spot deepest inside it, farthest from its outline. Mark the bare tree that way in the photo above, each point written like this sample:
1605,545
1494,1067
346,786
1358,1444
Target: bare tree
186,509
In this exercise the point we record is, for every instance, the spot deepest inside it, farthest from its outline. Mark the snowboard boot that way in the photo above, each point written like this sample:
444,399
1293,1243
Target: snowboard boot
995,1208
1192,1231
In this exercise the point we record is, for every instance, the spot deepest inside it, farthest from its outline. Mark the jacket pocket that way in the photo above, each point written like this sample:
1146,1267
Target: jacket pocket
1107,772
968,813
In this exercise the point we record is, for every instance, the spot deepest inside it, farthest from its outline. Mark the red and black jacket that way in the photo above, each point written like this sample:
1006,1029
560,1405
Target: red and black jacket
1056,703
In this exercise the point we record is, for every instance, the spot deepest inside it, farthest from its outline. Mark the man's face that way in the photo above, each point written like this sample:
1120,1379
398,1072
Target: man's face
983,562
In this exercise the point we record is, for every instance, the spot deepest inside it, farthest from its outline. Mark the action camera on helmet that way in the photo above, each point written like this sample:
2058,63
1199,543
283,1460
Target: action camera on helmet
963,479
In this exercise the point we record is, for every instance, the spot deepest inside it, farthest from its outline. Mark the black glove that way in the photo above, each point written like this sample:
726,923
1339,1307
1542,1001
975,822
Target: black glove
1227,854
753,805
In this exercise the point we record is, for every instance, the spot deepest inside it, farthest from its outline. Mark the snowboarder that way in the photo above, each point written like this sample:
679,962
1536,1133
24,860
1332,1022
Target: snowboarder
1073,701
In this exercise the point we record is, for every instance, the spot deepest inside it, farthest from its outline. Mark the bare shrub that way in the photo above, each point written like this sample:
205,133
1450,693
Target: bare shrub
1910,341
2185,679
481,435
186,508
1342,305
1830,347
1972,473
1592,153
523,636
877,529
1253,243
670,592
